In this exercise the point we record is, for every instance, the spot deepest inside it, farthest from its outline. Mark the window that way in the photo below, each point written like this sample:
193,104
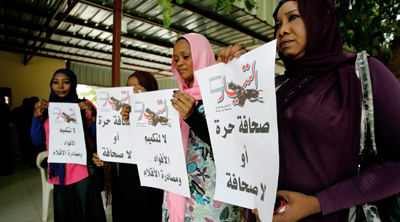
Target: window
88,92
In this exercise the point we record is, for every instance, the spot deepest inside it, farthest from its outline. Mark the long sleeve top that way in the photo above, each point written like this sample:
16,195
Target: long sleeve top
198,124
382,178
322,160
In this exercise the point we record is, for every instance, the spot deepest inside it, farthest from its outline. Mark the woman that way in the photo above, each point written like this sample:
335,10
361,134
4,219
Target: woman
129,199
193,52
319,113
74,197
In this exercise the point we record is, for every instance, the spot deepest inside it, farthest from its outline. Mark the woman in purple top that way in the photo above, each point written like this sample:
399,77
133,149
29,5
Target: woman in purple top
319,115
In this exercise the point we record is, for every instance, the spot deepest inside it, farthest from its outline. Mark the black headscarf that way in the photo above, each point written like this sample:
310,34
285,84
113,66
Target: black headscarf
146,80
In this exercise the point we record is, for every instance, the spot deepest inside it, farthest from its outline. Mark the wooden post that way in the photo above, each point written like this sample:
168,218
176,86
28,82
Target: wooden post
116,52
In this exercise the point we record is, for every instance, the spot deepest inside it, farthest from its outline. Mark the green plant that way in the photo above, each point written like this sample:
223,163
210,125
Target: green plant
167,10
226,5
369,25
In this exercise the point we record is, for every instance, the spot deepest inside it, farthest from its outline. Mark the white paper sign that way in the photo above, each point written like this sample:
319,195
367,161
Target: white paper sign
240,105
66,137
114,136
158,142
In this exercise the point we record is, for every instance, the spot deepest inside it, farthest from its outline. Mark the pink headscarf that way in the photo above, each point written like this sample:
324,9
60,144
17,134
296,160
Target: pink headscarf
202,57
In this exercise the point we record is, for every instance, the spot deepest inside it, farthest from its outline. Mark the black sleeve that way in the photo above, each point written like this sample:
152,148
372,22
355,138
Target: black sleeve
198,124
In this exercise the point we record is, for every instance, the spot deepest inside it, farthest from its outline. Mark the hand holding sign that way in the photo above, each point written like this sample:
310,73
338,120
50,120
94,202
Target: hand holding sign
89,107
183,103
40,107
230,52
125,113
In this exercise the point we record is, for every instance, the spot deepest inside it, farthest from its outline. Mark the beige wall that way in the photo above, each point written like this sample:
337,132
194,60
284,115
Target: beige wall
30,80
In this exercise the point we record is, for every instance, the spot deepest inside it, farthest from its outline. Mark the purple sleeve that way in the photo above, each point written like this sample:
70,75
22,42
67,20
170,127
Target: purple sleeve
381,179
37,135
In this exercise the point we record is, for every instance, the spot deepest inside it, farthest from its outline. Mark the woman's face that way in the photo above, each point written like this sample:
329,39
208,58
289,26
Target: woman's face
183,61
133,81
61,84
291,32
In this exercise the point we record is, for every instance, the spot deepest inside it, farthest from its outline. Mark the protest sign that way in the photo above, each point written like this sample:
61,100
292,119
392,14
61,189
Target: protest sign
158,142
240,105
66,136
114,137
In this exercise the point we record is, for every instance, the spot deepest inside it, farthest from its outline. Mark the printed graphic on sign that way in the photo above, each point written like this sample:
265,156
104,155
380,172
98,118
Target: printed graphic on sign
67,141
114,137
158,142
238,93
240,103
66,117
154,118
117,100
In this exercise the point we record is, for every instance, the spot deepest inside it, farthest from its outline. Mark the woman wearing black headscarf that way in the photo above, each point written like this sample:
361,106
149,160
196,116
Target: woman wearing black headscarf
74,197
129,198
319,116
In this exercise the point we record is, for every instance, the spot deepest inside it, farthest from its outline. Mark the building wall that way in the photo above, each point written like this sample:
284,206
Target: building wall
26,81
30,80
101,76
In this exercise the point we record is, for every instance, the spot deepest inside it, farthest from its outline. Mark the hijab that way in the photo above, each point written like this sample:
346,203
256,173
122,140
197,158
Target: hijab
146,80
57,170
323,34
202,57
324,47
72,96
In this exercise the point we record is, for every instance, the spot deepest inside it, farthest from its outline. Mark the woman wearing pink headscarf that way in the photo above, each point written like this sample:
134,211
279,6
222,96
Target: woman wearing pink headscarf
193,52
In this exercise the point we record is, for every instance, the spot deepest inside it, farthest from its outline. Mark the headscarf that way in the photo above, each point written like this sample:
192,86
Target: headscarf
146,80
324,48
72,96
323,34
58,169
202,57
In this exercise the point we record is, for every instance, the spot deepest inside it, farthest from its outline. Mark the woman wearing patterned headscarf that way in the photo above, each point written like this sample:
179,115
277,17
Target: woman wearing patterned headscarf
319,113
74,197
193,52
